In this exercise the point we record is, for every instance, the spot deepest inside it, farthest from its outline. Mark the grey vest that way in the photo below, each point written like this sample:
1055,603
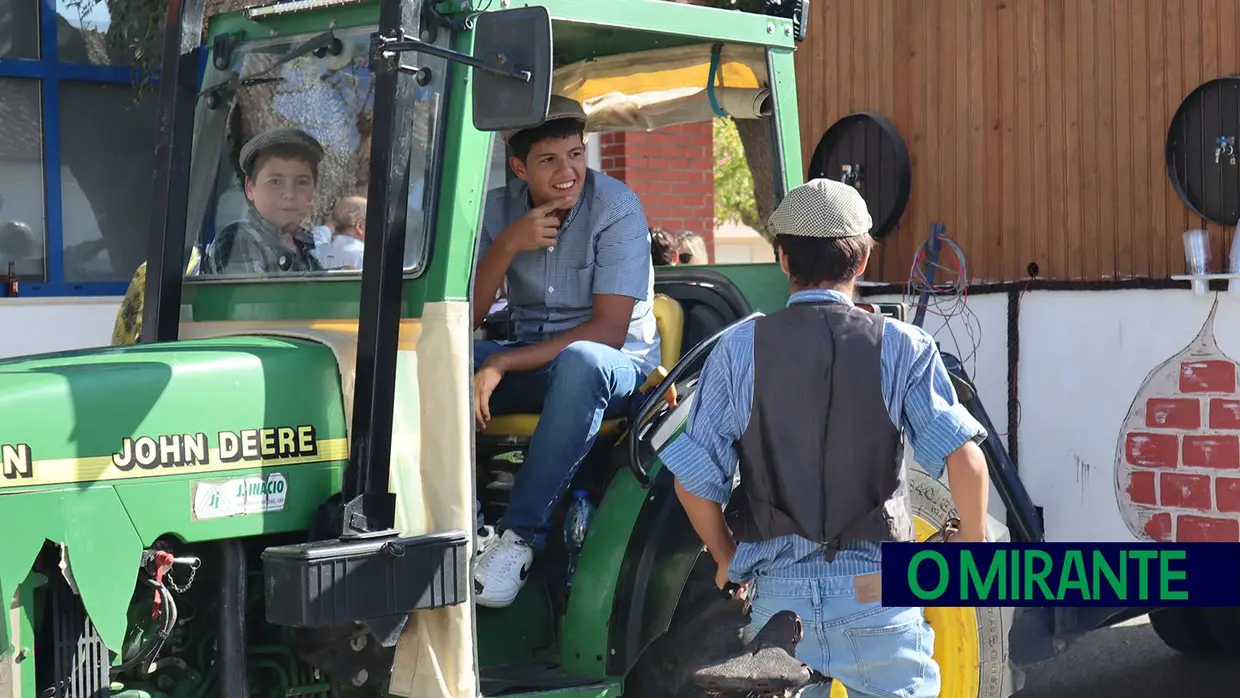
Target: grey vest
821,458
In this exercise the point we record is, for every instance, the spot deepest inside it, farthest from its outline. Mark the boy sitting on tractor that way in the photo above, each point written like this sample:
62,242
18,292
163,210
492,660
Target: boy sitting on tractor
281,170
575,248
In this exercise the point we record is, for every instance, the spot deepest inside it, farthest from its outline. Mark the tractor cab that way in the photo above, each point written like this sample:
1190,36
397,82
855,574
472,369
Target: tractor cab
409,147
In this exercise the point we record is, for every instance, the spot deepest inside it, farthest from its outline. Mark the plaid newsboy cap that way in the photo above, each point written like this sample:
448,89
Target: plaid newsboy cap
821,208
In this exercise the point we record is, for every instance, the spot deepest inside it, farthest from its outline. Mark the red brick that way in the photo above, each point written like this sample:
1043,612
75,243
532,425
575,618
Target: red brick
1152,450
1227,494
672,171
1185,491
1212,451
1159,527
1173,413
1141,488
1224,414
1207,377
1191,528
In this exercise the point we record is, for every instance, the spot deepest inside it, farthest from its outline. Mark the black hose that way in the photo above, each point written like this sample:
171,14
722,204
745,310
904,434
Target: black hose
168,622
231,629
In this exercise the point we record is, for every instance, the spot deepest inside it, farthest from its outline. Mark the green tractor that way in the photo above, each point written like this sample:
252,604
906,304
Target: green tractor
273,493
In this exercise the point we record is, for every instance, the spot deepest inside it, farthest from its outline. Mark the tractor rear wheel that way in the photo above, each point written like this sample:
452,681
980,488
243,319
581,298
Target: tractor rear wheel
970,644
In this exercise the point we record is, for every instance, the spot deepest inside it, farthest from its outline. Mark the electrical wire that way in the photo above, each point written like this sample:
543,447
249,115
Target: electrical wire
947,297
168,622
471,17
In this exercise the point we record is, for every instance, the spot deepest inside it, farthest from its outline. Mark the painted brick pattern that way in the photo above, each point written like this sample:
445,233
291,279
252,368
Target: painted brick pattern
1178,475
1186,458
672,170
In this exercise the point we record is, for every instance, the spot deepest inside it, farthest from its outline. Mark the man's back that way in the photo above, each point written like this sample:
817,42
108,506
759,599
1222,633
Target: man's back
920,403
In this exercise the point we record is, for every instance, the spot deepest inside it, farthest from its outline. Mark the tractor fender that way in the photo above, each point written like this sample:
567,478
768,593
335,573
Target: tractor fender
661,553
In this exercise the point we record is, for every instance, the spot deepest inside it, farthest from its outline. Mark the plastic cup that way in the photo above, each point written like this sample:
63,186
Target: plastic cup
1197,257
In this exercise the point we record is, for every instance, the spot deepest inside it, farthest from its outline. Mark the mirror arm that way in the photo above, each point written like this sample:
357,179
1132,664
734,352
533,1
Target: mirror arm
385,54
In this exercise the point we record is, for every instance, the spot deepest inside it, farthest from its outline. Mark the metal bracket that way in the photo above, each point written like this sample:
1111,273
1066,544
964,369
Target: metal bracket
385,56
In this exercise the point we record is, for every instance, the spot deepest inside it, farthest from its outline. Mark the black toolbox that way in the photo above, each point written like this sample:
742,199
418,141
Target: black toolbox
328,582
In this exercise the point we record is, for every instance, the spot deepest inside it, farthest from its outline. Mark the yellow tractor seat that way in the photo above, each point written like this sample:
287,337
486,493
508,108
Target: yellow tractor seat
669,317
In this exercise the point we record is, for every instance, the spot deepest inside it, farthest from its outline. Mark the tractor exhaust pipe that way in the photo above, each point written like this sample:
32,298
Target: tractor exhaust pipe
231,639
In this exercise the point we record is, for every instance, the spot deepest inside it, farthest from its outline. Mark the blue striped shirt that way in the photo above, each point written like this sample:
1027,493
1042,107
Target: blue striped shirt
602,248
920,399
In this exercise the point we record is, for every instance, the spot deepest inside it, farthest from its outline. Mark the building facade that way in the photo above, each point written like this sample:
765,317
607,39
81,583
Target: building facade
76,157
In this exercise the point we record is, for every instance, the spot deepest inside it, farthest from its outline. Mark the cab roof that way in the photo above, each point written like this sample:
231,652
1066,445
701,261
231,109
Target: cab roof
625,26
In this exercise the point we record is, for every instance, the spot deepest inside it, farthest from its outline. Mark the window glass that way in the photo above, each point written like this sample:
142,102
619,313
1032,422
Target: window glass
87,32
499,173
107,155
22,232
424,158
19,28
282,219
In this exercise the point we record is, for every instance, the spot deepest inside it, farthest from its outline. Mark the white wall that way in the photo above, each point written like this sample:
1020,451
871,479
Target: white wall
1085,358
42,325
984,355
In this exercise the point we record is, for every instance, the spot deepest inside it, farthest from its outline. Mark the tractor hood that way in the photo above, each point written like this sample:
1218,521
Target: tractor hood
102,451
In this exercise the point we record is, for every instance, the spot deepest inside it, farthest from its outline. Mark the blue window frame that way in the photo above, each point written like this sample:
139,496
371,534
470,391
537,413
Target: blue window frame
53,75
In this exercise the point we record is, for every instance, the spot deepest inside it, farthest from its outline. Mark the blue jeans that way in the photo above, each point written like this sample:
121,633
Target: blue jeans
586,382
872,650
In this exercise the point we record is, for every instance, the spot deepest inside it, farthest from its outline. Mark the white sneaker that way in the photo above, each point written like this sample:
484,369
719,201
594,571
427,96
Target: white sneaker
484,538
501,570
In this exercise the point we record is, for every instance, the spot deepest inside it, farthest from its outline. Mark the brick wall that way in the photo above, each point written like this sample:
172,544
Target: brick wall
672,170
1184,463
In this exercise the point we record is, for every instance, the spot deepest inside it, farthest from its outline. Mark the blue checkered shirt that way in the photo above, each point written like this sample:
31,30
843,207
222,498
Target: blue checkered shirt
603,248
919,397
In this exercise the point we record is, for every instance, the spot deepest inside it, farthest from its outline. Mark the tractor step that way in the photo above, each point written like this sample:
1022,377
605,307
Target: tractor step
543,679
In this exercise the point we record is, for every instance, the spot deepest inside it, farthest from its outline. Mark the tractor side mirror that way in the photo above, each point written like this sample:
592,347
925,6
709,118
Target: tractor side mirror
512,87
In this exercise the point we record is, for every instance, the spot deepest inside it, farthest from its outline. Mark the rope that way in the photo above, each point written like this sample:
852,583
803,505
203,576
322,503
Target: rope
710,80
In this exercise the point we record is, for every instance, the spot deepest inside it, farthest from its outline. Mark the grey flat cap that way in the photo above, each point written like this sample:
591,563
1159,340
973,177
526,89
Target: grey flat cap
560,108
821,208
279,136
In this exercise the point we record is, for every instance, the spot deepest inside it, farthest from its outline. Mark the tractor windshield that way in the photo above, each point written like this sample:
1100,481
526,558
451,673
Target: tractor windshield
282,157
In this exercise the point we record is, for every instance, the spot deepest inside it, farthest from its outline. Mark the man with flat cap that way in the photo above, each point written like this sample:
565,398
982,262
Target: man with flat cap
574,247
281,169
811,404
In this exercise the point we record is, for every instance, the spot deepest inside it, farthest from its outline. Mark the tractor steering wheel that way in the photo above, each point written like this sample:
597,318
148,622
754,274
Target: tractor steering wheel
643,422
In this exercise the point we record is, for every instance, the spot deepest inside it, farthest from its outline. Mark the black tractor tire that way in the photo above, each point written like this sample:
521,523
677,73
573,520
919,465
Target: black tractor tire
705,626
1199,632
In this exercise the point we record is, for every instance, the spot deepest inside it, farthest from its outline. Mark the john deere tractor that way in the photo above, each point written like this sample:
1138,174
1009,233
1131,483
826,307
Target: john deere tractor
273,492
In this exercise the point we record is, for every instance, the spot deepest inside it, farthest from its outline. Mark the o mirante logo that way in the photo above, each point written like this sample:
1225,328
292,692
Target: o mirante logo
1060,574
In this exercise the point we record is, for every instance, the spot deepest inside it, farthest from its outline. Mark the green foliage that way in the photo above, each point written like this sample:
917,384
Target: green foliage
734,197
134,37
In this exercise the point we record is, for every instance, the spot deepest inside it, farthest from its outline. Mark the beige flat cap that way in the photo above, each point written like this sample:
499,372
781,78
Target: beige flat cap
560,108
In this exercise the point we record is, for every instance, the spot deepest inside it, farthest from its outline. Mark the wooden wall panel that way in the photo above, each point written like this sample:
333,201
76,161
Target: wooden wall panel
1036,128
